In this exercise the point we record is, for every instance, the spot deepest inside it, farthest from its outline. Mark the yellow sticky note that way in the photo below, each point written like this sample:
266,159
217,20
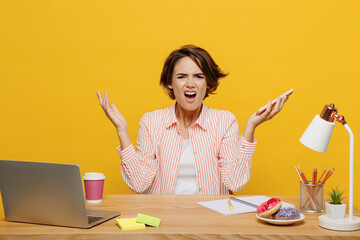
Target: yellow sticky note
129,223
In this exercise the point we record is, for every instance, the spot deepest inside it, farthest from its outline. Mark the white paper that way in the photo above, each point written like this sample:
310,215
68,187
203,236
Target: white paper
222,205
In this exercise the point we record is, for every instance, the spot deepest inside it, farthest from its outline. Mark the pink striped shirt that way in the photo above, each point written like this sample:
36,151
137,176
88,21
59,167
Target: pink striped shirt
222,157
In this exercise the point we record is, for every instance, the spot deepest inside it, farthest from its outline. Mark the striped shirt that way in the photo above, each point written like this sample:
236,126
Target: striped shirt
222,157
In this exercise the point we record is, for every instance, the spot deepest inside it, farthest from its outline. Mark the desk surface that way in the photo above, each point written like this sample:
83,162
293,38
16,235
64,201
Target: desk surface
181,218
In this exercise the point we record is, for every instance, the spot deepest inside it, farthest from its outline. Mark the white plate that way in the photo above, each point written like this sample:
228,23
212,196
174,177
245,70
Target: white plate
282,222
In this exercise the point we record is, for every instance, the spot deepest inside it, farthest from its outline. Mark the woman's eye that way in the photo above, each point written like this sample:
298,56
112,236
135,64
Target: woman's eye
200,76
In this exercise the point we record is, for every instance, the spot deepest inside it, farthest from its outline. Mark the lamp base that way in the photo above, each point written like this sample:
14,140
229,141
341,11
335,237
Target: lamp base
344,224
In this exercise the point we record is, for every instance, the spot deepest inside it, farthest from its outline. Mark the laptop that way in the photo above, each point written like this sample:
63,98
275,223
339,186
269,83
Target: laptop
47,193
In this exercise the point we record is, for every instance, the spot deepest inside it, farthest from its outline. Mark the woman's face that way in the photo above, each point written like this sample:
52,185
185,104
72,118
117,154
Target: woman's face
189,84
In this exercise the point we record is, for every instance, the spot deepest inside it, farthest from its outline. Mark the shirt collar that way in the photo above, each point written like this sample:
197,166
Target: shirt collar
201,121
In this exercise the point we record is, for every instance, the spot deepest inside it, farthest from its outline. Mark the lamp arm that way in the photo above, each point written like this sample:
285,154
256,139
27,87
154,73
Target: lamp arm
351,174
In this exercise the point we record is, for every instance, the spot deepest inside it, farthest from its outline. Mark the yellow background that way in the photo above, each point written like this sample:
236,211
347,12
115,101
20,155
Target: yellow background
54,55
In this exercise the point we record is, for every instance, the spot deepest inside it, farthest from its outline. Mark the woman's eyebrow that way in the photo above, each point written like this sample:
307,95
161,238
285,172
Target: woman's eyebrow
185,74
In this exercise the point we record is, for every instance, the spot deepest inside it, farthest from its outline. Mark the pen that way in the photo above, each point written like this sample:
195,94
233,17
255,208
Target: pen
243,202
230,205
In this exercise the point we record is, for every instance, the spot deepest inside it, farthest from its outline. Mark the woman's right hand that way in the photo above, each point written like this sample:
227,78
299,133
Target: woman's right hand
112,112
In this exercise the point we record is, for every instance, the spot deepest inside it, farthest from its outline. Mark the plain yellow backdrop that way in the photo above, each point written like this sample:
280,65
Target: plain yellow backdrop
54,55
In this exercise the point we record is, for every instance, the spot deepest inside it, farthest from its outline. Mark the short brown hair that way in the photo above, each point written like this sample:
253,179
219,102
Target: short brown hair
202,58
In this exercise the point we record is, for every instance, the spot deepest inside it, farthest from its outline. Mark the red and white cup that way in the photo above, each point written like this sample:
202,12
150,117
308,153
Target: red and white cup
94,186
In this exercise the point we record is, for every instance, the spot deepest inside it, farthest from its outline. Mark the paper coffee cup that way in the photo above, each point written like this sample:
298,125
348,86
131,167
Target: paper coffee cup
94,186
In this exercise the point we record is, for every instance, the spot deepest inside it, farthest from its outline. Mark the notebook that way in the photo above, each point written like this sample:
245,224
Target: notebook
222,205
47,193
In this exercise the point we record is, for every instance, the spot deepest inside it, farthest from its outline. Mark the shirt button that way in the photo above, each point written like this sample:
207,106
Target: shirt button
243,147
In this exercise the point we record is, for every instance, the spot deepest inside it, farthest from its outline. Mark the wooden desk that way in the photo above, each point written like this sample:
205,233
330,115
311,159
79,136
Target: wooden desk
182,218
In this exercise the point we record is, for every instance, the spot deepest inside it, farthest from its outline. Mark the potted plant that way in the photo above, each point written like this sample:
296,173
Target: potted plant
335,209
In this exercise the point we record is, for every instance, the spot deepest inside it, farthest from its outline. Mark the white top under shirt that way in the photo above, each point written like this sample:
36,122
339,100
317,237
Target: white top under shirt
186,177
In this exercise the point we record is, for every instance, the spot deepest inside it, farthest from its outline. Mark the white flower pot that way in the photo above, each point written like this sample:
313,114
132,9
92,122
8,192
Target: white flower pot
335,211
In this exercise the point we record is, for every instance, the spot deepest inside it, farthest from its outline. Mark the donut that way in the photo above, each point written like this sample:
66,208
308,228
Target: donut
286,214
269,207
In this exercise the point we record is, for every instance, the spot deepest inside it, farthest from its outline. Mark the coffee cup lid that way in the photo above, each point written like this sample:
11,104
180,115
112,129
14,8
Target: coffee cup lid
94,176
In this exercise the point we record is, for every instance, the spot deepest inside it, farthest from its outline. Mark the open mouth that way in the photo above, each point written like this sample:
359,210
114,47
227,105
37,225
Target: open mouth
190,95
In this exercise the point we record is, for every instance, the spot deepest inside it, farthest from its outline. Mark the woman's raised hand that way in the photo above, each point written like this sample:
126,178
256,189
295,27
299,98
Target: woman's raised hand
270,112
112,112
256,119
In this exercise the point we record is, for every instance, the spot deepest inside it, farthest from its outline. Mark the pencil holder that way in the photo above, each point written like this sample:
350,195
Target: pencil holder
311,197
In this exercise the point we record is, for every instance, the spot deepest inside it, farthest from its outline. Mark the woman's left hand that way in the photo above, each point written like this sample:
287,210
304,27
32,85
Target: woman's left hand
256,119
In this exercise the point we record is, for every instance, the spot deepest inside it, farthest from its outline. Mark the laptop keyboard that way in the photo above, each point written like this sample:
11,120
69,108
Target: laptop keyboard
92,219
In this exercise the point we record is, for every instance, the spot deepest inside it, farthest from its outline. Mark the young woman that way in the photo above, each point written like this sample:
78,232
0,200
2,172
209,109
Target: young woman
188,148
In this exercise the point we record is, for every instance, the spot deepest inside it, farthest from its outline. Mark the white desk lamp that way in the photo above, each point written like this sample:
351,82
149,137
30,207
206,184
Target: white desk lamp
317,137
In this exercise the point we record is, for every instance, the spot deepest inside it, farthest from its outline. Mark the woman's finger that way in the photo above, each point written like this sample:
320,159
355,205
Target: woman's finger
277,105
277,108
99,97
106,102
113,106
273,111
103,102
283,101
268,109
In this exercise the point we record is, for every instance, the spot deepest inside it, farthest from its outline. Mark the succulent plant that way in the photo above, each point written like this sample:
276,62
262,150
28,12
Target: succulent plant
335,196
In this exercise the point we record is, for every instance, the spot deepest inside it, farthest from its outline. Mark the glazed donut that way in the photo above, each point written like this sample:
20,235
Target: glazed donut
269,207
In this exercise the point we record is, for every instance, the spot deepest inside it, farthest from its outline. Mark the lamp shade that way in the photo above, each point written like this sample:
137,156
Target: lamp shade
317,135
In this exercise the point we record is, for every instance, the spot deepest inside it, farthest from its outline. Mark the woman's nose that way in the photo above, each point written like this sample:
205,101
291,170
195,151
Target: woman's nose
190,82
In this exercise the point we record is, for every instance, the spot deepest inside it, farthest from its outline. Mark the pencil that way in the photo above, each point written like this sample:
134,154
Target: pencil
309,190
328,174
314,180
322,174
230,205
303,175
325,177
297,171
